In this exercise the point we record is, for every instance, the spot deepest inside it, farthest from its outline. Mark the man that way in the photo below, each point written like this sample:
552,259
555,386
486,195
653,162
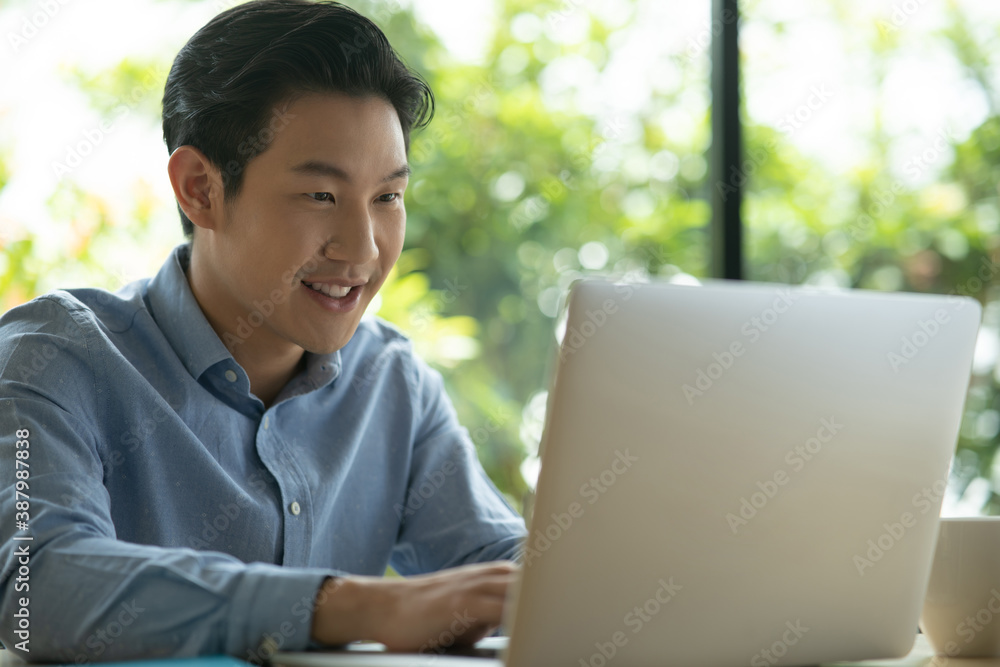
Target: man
226,457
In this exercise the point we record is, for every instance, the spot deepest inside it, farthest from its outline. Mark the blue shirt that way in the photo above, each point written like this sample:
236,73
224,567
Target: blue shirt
169,513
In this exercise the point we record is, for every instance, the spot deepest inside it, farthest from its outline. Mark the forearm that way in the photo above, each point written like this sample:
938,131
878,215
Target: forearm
96,598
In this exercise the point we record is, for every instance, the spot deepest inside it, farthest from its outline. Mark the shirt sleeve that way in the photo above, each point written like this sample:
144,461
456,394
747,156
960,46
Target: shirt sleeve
453,514
69,590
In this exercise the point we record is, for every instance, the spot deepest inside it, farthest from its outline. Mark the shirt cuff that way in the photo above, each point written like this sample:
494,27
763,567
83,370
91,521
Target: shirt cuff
272,610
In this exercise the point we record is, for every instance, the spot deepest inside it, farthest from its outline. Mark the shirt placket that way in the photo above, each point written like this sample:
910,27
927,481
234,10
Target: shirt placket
296,501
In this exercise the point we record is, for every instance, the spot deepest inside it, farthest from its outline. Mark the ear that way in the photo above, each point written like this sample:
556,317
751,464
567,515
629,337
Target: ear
197,185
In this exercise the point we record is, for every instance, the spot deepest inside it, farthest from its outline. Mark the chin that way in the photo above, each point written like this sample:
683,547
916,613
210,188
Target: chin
331,345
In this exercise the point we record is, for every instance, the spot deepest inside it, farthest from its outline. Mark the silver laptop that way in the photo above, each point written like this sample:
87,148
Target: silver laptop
737,474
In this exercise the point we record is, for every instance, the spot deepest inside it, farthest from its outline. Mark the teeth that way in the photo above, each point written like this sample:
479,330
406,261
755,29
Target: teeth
335,291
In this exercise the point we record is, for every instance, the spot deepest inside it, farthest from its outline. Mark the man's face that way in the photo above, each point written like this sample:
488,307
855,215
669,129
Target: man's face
322,206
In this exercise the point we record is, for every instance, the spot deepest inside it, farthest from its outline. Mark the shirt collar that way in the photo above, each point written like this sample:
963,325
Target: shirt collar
180,318
182,321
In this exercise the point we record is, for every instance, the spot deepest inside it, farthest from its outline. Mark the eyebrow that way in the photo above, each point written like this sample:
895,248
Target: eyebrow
321,168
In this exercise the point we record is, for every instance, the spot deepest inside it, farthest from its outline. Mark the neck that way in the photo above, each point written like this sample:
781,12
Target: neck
269,361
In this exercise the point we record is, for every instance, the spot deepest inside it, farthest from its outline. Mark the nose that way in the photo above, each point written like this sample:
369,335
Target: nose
354,239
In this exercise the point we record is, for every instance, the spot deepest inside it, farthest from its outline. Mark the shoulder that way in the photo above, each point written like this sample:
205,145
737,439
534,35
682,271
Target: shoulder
54,314
379,351
47,350
375,332
376,348
83,311
55,332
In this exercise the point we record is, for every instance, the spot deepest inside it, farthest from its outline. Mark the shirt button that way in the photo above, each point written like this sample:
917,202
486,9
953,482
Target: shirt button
231,376
266,422
294,508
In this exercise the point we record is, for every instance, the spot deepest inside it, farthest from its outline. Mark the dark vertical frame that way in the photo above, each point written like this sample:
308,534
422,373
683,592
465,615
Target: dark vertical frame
727,178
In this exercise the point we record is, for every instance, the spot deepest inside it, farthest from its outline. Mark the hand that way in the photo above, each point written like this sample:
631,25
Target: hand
458,606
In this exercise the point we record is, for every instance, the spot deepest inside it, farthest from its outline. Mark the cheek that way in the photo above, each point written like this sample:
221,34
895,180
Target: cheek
390,244
393,235
281,247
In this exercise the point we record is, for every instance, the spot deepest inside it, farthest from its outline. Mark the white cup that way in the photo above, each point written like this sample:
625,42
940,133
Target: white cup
961,614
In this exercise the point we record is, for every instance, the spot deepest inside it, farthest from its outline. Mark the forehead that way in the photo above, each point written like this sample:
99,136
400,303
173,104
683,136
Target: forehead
330,125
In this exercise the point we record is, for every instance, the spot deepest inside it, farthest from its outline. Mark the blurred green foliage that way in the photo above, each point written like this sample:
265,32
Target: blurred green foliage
511,201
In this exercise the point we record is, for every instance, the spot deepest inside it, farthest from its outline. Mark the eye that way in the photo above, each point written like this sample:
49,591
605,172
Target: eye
393,196
320,196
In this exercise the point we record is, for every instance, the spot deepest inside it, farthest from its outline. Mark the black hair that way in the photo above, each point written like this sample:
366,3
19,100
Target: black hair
232,78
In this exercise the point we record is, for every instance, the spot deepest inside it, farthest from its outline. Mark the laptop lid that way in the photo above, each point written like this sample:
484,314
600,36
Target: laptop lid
740,473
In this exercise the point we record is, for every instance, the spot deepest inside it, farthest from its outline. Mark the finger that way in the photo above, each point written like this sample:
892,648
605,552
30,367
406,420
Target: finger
463,572
503,566
492,567
485,611
495,586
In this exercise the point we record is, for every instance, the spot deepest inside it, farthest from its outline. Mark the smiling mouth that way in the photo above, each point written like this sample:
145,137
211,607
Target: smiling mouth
333,291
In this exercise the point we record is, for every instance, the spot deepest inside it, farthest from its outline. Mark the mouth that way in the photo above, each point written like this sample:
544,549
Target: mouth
334,298
334,291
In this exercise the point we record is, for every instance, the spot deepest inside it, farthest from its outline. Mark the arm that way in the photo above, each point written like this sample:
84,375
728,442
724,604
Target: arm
91,596
452,513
